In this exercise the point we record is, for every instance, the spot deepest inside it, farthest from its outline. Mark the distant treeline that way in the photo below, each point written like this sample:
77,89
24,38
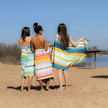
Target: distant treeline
10,54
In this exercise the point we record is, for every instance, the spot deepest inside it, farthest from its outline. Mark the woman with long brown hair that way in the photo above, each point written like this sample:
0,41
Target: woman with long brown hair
64,56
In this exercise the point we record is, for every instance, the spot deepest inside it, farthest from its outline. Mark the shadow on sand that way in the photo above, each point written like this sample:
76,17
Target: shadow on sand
38,88
85,68
100,76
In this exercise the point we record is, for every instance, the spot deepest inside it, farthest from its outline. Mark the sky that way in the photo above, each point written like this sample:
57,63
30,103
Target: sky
83,18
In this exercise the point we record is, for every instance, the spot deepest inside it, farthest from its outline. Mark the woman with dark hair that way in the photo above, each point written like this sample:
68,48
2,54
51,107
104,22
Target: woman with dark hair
43,68
27,57
64,56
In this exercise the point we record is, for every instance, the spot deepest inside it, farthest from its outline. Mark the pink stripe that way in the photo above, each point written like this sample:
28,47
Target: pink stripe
42,63
81,44
42,54
48,72
44,76
57,38
24,52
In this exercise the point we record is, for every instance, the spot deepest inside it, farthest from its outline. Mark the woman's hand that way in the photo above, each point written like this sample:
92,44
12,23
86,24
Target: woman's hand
82,39
50,44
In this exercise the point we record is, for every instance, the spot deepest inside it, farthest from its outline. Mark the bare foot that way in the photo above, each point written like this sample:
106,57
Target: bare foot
66,88
47,88
41,89
28,89
21,89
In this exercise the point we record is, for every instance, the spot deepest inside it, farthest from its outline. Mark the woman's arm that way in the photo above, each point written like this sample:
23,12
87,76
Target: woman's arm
45,45
32,46
75,43
50,44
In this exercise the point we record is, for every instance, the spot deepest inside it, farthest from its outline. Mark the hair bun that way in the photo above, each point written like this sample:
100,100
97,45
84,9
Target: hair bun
35,24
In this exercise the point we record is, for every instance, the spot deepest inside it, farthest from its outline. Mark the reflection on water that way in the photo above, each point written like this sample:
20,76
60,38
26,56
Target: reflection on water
101,61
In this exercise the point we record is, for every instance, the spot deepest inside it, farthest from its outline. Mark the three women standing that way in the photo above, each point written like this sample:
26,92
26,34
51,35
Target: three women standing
63,55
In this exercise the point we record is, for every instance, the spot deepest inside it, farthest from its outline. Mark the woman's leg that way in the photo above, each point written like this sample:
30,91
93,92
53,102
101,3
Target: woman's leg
59,72
41,84
48,81
29,82
22,83
66,78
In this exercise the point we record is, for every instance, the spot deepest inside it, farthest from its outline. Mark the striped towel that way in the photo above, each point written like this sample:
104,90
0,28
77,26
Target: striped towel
64,58
27,61
43,68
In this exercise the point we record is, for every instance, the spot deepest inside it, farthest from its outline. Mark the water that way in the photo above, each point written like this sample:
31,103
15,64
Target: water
101,61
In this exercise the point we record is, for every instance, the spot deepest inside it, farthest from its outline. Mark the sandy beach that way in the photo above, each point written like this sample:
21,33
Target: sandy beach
88,88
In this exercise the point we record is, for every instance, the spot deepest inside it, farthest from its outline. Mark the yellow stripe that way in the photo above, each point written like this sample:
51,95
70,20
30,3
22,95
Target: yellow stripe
45,77
42,60
72,54
66,59
28,74
42,57
59,64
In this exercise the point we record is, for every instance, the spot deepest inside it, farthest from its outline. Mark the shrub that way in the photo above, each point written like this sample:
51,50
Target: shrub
10,53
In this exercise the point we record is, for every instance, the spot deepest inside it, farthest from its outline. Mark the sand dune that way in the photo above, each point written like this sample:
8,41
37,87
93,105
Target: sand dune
88,88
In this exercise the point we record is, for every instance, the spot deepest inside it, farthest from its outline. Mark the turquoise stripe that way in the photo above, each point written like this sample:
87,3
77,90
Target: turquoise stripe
86,40
61,67
56,41
30,55
78,47
69,48
23,60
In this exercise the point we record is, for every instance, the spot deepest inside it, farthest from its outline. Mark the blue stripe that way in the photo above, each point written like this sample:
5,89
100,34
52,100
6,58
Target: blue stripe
28,47
70,51
58,66
22,69
30,66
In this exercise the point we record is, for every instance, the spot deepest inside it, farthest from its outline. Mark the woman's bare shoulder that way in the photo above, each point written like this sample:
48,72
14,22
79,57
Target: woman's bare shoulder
43,37
32,39
19,40
28,37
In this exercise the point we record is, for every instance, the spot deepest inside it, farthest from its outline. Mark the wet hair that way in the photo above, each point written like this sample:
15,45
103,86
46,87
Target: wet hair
62,31
25,32
37,28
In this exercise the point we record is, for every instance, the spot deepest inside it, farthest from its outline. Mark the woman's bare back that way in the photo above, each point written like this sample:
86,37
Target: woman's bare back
39,42
26,43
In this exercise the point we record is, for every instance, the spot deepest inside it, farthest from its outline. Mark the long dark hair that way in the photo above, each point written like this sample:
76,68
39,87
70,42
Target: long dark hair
62,31
37,28
25,32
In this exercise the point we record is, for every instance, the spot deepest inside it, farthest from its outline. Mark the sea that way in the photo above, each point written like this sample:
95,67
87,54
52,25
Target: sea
101,61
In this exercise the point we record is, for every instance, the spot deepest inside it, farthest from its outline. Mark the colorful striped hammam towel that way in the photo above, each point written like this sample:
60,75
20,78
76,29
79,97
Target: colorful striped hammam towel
43,68
27,62
64,58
